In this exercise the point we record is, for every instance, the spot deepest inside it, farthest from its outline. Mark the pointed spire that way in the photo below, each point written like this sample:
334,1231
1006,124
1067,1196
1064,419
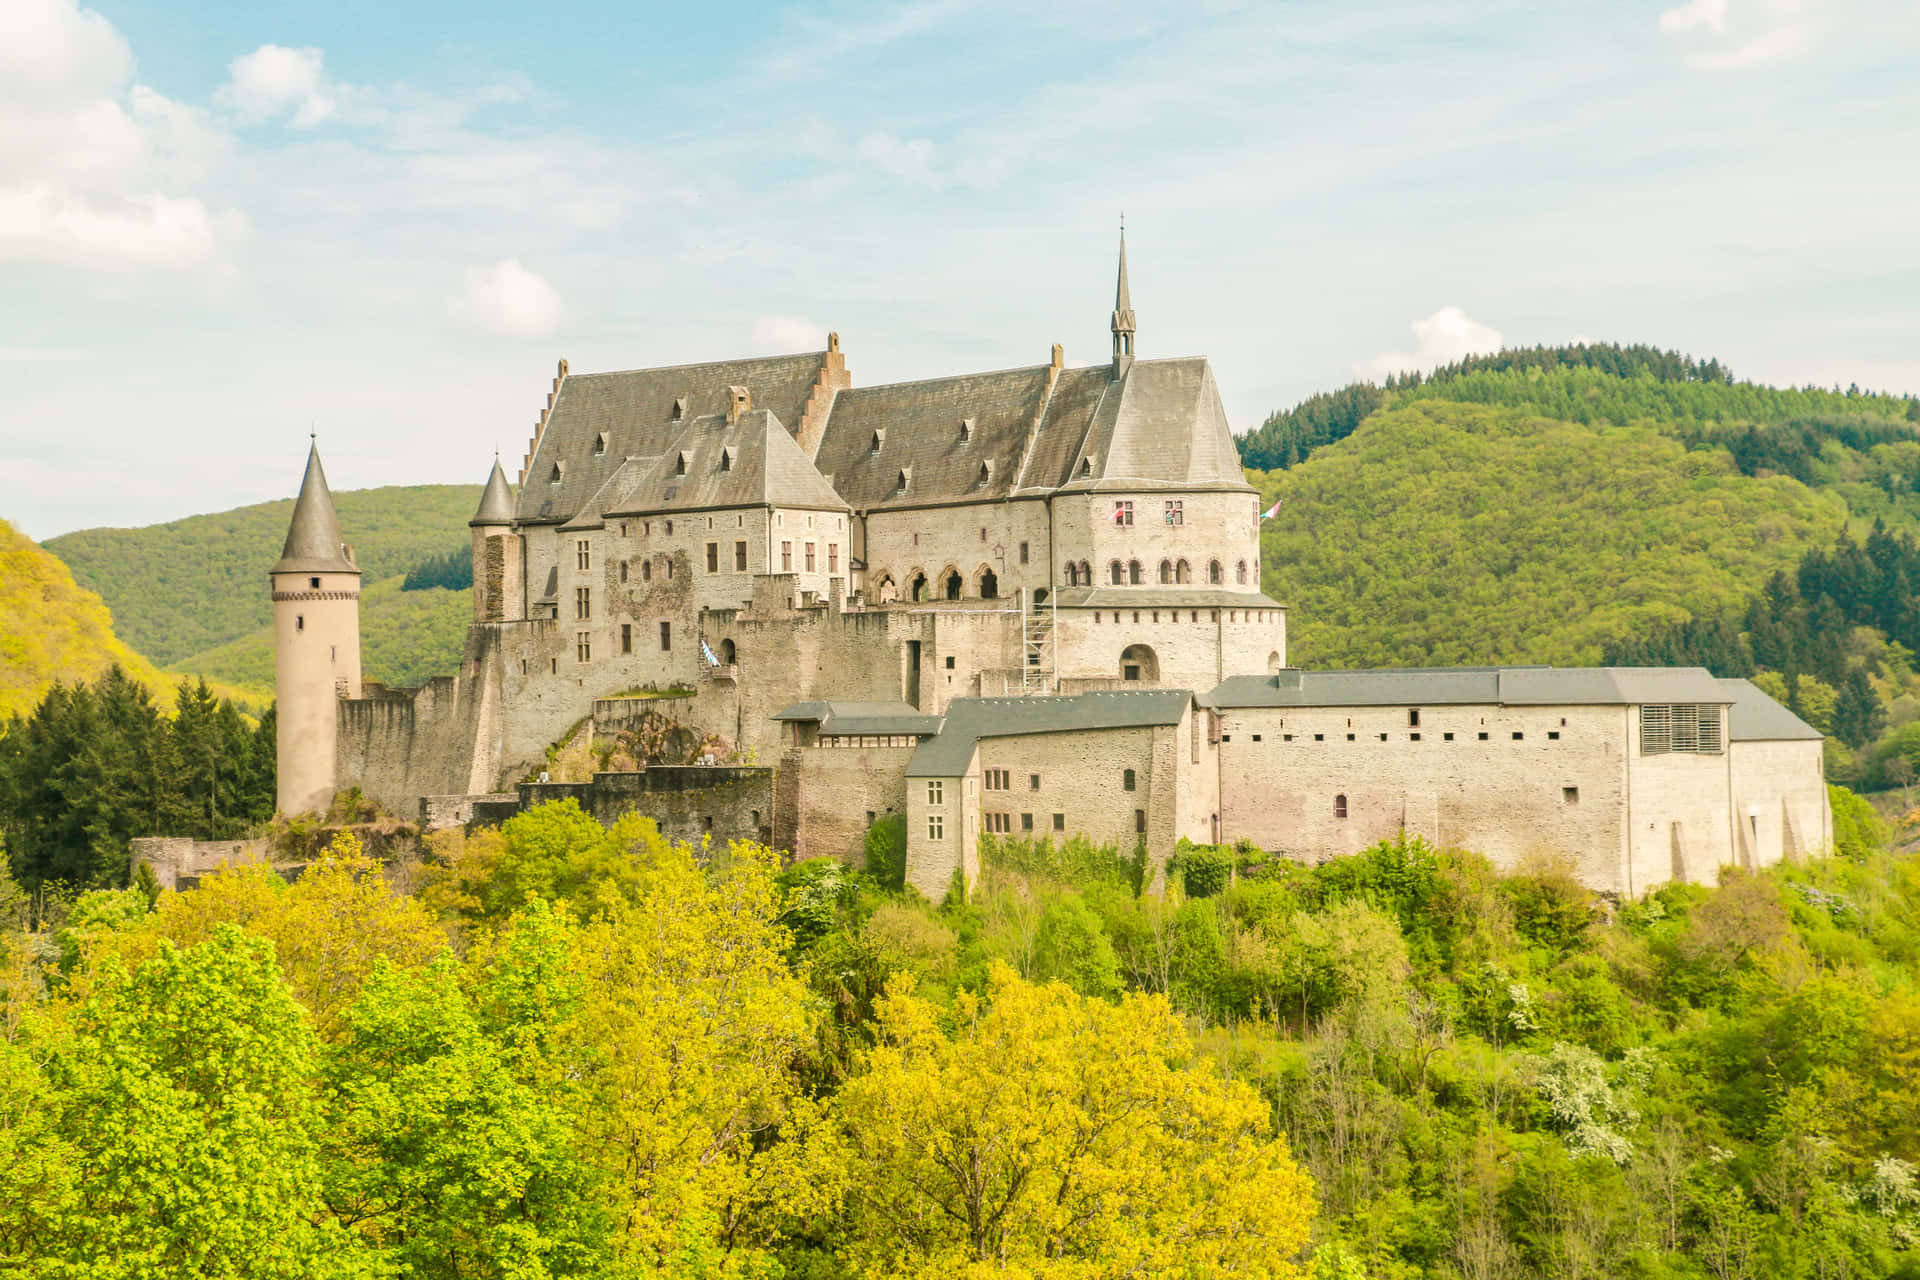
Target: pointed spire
496,504
1122,312
314,544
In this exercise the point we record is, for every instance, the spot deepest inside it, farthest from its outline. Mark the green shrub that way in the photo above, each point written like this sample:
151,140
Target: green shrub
887,852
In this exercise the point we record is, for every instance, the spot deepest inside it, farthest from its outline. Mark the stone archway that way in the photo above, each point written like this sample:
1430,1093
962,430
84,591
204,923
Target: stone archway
989,584
952,584
917,587
1273,663
884,591
1139,662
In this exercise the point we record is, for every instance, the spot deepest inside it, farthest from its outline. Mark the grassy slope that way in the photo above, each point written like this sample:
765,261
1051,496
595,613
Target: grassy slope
51,629
182,588
405,637
1444,533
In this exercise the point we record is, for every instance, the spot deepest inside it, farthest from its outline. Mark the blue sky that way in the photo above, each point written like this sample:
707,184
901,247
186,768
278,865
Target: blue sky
223,223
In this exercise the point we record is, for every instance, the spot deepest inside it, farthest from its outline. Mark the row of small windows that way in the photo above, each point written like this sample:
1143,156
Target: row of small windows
1553,735
1174,513
1568,795
1173,615
1133,573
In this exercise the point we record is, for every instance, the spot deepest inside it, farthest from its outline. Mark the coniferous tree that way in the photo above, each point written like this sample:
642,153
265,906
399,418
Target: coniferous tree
1858,716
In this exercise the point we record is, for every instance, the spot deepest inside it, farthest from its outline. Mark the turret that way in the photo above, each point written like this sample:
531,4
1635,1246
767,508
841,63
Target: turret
499,593
316,644
1122,314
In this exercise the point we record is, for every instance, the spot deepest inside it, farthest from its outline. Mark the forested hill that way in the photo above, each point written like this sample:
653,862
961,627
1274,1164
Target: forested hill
51,629
180,588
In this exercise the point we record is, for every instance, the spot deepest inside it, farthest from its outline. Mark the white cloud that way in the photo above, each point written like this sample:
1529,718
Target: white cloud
1762,32
1710,14
273,78
908,159
1447,335
90,166
788,334
508,300
37,355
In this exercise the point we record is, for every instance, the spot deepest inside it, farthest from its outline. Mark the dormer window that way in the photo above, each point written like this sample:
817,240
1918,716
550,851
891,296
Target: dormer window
905,478
726,459
558,474
879,442
966,430
600,445
679,410
680,464
1086,467
986,474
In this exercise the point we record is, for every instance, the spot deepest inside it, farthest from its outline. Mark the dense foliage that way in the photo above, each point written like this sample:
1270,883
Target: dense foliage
1446,533
406,637
51,629
571,1051
452,571
97,764
180,588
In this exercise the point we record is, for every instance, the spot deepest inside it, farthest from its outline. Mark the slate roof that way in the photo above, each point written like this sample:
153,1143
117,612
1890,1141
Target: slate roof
1756,717
1490,686
314,543
753,462
634,409
496,504
1056,449
922,425
970,719
839,717
1166,427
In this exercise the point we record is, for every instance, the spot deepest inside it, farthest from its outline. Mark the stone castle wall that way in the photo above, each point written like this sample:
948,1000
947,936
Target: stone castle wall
690,803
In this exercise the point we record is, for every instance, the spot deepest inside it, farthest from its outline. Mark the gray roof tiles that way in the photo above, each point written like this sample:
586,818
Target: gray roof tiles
839,718
1491,686
634,410
496,504
971,719
314,543
1758,718
1166,426
752,462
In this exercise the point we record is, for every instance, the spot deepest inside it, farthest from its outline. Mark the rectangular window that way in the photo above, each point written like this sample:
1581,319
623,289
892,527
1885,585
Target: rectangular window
583,646
1023,553
1140,821
1413,719
1570,795
1026,822
1518,736
833,557
713,557
583,554
1176,512
998,780
553,666
1059,822
1127,780
583,602
936,827
999,823
626,637
1553,735
809,560
313,584
936,792
786,557
739,557
300,622
1689,728
1033,782
666,636
1123,513
1483,737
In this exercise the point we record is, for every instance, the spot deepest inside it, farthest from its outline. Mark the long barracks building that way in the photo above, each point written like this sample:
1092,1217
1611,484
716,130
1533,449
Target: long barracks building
1025,601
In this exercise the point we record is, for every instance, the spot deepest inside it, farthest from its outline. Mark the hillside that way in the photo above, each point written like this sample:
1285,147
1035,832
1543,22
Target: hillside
1442,533
182,588
51,629
405,637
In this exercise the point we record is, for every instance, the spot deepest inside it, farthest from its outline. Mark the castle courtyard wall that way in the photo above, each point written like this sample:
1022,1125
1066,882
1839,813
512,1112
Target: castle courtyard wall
838,793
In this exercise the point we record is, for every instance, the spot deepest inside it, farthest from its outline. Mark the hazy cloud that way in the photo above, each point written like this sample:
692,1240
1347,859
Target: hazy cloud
908,159
1696,14
508,300
274,78
1447,335
785,335
1762,32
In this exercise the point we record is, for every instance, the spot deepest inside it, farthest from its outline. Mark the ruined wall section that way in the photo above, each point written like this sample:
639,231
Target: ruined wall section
836,794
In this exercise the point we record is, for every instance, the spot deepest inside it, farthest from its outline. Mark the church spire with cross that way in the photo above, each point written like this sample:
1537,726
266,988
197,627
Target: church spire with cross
1122,313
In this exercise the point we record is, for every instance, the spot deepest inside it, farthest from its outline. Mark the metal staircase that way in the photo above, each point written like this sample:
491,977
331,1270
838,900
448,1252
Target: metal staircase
1039,666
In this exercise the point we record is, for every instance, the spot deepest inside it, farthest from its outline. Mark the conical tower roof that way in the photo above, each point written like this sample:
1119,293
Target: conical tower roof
496,504
314,544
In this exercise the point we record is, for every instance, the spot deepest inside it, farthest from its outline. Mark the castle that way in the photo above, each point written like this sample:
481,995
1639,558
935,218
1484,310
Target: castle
1020,602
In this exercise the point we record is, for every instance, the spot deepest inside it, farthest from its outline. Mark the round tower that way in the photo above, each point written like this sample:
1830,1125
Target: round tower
316,645
497,592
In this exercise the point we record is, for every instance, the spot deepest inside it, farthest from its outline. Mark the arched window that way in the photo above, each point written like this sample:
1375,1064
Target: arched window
989,585
1138,662
1086,574
727,652
1240,573
954,583
1183,572
1166,572
917,587
1117,573
1134,574
1340,806
1273,663
1213,572
884,591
